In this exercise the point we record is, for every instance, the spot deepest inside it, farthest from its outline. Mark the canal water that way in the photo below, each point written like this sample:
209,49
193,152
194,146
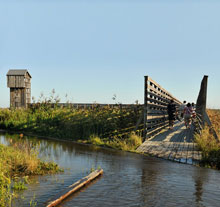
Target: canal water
129,179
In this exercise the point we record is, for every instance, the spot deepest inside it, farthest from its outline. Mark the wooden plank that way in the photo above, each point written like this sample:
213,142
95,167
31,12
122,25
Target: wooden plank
145,105
161,103
76,186
161,107
156,125
156,120
8,83
11,81
156,131
152,90
158,96
173,151
22,82
16,81
162,89
156,112
155,88
156,116
164,150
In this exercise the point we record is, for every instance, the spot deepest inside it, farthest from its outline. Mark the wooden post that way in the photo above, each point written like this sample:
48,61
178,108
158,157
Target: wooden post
201,100
145,105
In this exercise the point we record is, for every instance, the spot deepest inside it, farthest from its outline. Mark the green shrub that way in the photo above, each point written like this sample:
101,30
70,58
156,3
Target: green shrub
16,162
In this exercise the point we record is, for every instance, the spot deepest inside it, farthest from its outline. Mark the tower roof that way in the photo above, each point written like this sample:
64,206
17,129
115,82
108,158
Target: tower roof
22,72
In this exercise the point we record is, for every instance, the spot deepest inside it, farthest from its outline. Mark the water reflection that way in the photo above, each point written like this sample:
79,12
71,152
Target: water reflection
129,179
200,178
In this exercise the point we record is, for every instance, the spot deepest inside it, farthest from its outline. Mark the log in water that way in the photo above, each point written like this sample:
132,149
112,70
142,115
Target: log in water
76,186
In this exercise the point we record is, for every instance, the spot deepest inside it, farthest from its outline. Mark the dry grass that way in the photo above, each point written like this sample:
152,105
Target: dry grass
207,143
214,116
130,143
16,161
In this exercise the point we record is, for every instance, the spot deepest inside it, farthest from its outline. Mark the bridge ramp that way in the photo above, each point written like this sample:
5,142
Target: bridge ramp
176,145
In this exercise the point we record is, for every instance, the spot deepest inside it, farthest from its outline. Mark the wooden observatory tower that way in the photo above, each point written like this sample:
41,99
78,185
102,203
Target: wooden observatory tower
19,82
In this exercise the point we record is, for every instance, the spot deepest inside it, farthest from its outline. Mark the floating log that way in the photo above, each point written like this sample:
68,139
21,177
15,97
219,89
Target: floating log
76,186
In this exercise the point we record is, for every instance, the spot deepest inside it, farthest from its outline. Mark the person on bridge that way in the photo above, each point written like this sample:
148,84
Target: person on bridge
181,109
193,110
171,110
188,115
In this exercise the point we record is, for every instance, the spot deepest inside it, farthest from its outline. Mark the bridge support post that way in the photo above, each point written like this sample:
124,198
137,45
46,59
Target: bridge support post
145,105
201,100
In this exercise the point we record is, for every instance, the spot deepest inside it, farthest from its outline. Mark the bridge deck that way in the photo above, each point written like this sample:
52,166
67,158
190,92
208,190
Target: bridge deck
176,145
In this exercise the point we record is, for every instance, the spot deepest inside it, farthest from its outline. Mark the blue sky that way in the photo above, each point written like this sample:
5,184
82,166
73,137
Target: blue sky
91,50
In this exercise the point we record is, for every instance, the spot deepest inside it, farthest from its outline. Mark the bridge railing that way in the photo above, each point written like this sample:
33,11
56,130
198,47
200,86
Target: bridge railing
155,107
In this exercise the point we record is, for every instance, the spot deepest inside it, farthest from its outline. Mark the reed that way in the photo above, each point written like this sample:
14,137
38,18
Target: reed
18,161
207,143
69,123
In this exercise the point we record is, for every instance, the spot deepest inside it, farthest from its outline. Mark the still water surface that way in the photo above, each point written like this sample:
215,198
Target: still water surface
129,179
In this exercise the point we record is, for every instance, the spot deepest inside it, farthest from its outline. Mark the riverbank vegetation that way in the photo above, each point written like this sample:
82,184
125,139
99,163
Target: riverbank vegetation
130,143
108,126
103,126
208,144
17,162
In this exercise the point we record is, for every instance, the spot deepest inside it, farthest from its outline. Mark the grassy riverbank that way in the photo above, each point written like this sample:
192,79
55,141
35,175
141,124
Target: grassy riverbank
130,143
17,162
103,126
111,127
209,146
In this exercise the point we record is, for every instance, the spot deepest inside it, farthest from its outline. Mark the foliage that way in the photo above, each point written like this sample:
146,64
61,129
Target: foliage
48,118
16,162
129,143
207,143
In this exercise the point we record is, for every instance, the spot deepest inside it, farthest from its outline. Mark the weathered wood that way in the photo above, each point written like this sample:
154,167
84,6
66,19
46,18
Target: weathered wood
175,145
19,82
156,112
76,186
158,96
155,102
159,107
163,91
201,100
154,92
145,105
156,116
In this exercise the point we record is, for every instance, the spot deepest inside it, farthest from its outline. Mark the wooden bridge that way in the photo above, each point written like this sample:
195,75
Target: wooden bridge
176,144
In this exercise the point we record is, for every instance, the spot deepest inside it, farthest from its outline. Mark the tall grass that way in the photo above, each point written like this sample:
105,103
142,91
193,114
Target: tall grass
69,123
214,116
16,161
207,143
130,143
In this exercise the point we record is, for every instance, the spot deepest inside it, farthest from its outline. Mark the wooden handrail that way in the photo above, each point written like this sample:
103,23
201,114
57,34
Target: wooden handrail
155,107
